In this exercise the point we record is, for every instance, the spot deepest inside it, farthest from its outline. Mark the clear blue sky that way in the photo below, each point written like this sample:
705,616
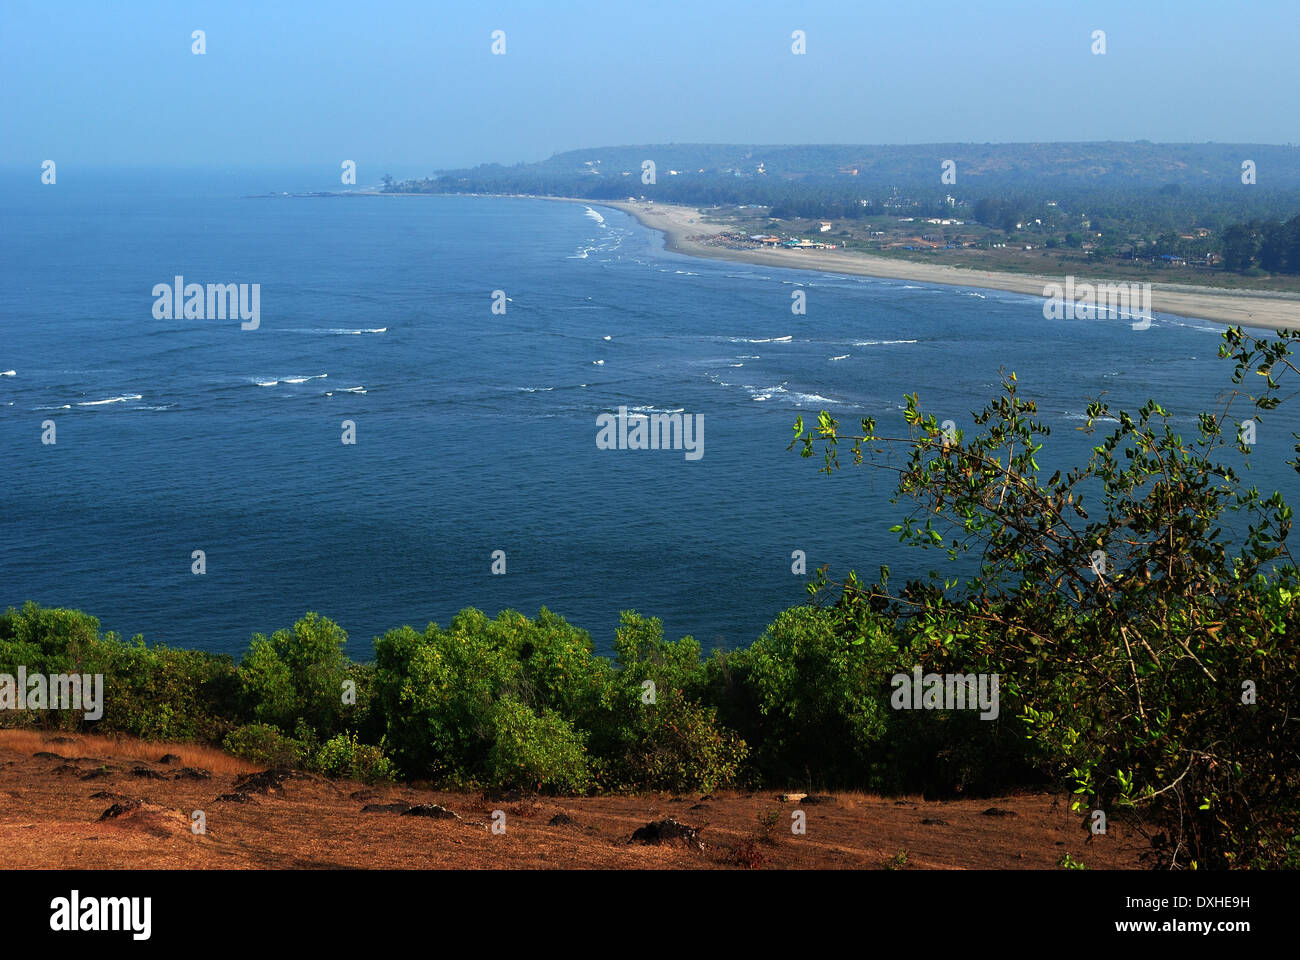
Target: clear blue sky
409,86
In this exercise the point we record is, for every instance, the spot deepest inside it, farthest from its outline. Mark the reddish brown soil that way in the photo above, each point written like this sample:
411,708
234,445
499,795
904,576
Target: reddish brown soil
49,819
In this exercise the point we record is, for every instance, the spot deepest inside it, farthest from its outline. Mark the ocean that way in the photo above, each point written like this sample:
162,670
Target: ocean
475,430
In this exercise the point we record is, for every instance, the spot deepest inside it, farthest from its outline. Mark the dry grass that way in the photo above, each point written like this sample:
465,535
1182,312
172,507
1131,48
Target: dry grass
125,748
51,814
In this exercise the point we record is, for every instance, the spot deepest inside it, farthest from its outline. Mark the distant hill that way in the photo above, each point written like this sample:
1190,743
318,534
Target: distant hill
1122,193
991,164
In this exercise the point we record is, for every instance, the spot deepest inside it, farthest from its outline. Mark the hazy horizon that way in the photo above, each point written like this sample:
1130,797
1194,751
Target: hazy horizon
405,88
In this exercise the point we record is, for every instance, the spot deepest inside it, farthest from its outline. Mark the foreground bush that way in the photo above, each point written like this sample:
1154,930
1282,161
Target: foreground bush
514,702
265,745
155,692
343,758
297,675
655,732
535,751
1148,640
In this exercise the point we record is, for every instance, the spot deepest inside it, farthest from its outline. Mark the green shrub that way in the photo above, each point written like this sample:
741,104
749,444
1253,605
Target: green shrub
652,731
812,698
1141,682
641,653
343,757
153,692
675,744
535,751
297,674
264,744
440,692
160,693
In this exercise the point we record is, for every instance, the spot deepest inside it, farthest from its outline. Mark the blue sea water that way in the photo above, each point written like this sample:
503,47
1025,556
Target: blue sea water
476,431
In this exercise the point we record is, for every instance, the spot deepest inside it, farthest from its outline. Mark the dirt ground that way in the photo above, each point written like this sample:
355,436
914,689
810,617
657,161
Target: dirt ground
104,803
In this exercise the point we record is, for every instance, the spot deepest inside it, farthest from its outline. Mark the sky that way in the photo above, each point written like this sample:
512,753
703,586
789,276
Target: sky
412,86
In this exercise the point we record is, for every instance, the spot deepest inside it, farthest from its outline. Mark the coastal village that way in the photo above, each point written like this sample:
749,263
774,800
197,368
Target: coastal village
884,227
908,236
788,243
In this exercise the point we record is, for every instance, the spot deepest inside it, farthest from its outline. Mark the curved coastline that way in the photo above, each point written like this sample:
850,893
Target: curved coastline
679,224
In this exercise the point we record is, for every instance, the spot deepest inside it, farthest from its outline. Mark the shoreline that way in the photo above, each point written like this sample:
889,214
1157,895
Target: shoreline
678,224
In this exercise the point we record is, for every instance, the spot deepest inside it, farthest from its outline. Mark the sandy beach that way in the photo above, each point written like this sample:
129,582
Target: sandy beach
679,224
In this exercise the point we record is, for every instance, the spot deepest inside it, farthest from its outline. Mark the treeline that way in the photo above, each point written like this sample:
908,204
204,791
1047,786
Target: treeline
1113,218
1270,245
1003,166
1143,189
818,198
526,703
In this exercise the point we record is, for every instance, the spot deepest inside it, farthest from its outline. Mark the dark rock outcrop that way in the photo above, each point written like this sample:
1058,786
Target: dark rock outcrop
668,831
386,808
120,808
430,810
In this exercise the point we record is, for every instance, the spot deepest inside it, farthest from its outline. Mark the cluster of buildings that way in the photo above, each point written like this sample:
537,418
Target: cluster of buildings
792,243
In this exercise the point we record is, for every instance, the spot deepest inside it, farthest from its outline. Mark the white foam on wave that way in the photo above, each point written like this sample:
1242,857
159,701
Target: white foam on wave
595,216
1084,416
266,383
762,393
607,337
643,410
354,389
842,356
878,343
338,331
100,403
1168,321
8,373
319,376
760,339
536,389
599,363
66,406
749,356
802,398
